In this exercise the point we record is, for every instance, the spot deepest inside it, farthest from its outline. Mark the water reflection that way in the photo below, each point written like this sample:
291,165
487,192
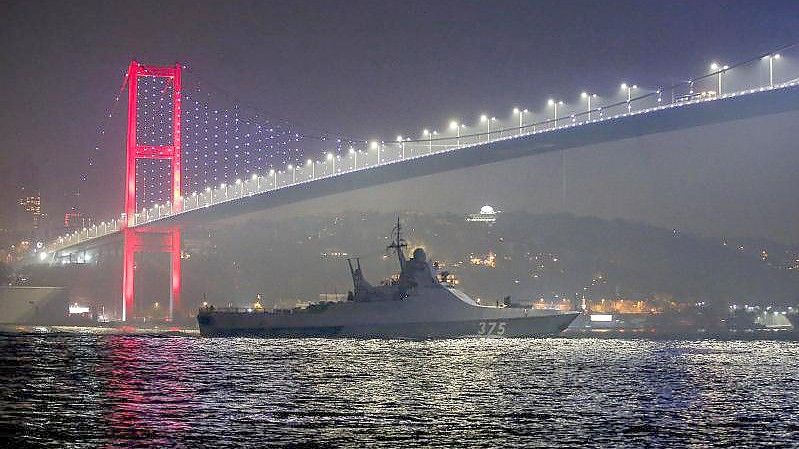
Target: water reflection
86,390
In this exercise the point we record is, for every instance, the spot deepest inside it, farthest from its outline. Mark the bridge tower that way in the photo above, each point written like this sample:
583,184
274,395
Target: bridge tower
168,240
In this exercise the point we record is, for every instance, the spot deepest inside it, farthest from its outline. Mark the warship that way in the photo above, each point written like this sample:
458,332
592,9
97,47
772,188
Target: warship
415,304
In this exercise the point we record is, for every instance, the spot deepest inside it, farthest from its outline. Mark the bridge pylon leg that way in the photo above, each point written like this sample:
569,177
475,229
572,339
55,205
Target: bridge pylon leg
154,241
174,272
129,245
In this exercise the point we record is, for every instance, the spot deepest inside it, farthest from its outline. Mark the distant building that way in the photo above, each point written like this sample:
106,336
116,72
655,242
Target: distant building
487,214
75,220
30,203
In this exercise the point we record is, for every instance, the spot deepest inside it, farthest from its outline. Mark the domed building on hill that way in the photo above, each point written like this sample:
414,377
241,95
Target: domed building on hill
487,214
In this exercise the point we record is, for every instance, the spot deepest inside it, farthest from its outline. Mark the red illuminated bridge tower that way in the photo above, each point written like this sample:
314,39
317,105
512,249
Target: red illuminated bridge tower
150,239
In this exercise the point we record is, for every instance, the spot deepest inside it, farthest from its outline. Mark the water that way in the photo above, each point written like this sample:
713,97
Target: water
90,390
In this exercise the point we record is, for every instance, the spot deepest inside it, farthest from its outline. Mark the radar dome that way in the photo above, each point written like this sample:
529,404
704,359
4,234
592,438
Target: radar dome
488,210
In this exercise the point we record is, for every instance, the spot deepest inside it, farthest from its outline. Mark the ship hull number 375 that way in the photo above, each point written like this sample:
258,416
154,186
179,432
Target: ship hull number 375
491,328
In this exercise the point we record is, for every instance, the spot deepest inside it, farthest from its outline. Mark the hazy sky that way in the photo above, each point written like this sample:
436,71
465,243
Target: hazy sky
362,69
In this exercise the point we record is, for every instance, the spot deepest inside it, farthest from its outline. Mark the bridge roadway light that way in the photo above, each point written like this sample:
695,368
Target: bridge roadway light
629,90
554,104
273,174
588,97
771,59
376,146
457,127
484,119
330,157
429,136
310,163
521,113
401,141
293,173
355,156
720,69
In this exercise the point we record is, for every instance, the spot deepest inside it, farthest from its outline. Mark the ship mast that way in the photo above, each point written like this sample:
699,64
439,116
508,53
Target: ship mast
398,244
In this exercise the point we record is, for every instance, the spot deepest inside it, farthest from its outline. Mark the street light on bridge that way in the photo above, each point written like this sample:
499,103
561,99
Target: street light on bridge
330,157
554,104
376,146
484,119
273,174
521,113
429,136
588,98
354,155
771,59
457,127
311,164
629,90
720,69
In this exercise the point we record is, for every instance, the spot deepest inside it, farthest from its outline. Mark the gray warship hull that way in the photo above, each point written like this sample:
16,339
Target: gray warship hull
513,327
430,316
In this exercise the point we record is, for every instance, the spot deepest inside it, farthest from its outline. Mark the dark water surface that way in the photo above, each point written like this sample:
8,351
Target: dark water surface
89,390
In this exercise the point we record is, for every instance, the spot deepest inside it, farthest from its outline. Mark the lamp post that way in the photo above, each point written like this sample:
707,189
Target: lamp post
487,121
521,113
588,97
720,69
771,59
429,136
457,127
376,146
333,160
555,104
629,89
293,173
274,178
257,180
402,146
355,157
223,186
241,187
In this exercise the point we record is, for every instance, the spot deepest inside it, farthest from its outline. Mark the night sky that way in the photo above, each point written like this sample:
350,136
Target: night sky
360,69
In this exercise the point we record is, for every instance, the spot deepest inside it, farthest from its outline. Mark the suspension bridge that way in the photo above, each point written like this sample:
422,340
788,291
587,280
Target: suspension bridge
264,164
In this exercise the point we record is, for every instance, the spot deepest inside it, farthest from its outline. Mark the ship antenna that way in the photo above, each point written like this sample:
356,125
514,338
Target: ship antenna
398,244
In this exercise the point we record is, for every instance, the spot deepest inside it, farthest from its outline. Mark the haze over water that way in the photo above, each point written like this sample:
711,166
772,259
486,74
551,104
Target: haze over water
89,390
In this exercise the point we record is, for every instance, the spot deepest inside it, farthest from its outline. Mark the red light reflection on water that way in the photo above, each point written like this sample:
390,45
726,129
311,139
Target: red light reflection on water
146,394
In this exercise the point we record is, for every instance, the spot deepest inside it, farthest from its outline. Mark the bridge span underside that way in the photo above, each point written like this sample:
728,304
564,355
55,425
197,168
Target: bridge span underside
690,116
